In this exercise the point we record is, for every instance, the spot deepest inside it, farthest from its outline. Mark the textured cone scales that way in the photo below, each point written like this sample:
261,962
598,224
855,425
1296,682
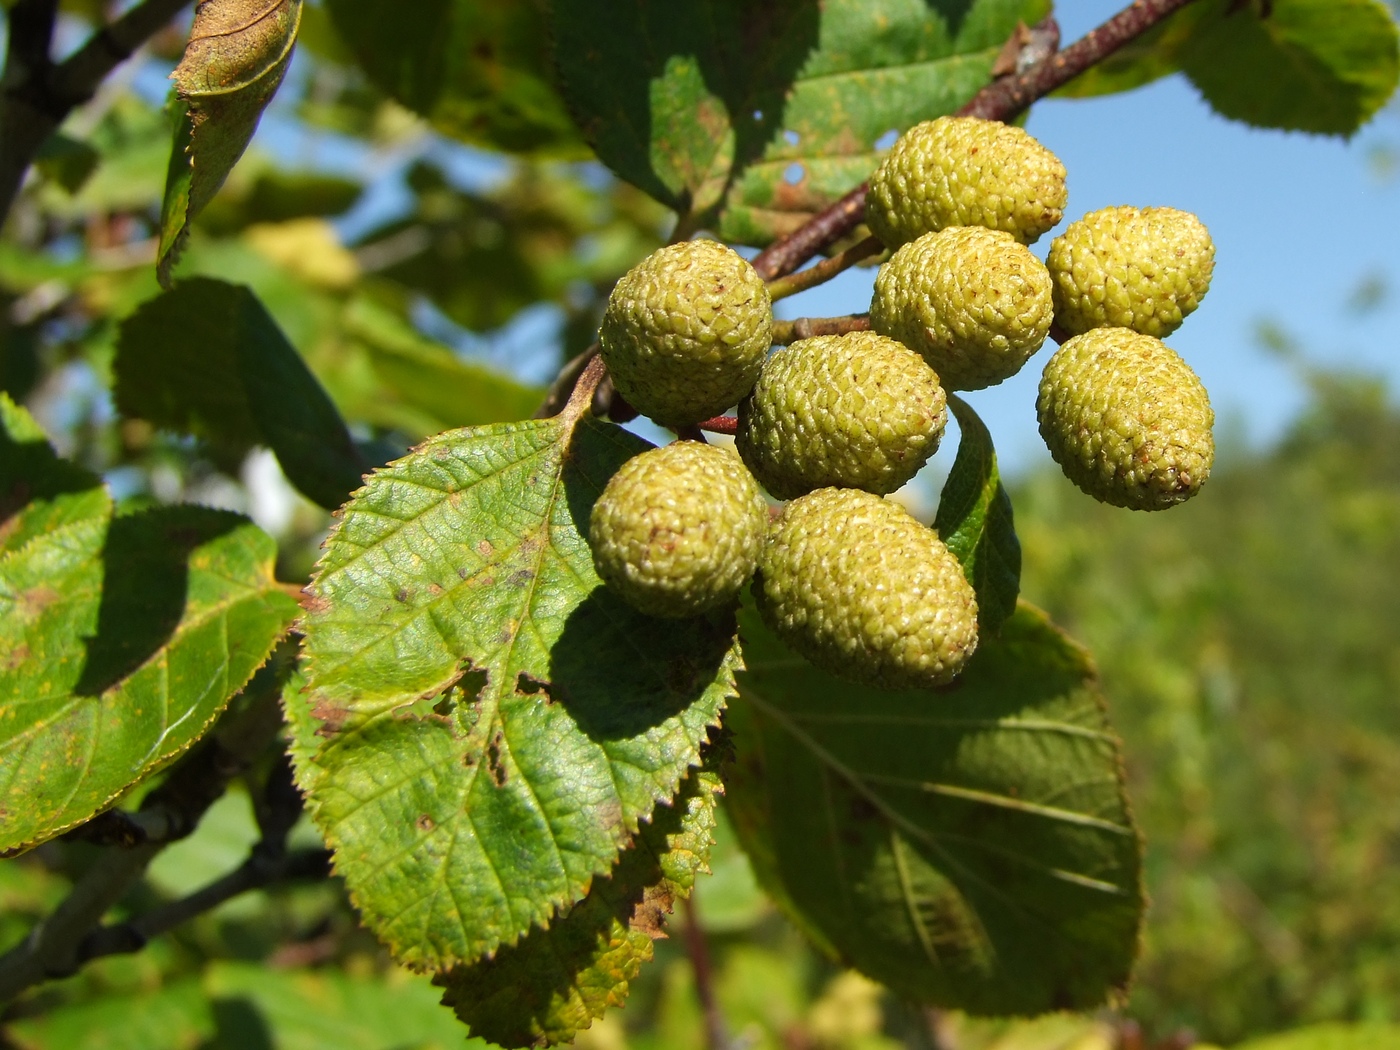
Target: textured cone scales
685,332
1126,419
974,302
964,171
852,582
677,530
1125,267
855,411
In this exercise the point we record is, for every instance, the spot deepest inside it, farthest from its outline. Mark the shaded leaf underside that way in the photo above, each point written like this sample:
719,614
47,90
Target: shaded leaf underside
975,521
970,847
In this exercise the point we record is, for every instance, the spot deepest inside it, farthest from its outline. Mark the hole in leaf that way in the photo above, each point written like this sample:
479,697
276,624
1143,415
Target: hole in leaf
887,140
794,174
758,114
791,137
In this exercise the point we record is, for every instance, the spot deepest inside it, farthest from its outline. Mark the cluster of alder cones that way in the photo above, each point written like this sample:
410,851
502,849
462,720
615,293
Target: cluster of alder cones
832,424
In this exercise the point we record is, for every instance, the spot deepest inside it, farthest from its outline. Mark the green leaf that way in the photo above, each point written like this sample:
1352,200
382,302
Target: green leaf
391,375
66,161
1312,65
554,982
478,69
122,638
327,1009
975,521
237,54
969,847
1358,1036
760,116
205,358
39,492
175,1017
460,573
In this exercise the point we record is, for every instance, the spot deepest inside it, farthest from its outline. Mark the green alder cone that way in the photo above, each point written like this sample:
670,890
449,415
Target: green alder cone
1125,267
1127,420
974,302
854,411
685,332
965,171
853,583
677,530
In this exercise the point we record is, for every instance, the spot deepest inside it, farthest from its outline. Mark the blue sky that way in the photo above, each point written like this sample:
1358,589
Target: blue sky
1299,223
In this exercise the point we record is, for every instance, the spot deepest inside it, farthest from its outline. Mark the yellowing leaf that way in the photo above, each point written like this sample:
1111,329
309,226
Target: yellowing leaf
238,52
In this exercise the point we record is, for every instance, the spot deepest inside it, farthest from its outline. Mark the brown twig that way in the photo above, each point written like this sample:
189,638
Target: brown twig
56,947
1003,99
785,332
824,270
716,1031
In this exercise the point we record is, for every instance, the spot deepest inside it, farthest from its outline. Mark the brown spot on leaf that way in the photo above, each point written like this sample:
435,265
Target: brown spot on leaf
499,773
485,549
609,814
35,600
401,595
424,823
314,603
17,657
649,915
331,716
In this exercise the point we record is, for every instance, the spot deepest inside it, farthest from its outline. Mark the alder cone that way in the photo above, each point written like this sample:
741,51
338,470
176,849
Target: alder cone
685,332
677,530
965,171
855,411
860,588
1139,268
1127,419
974,302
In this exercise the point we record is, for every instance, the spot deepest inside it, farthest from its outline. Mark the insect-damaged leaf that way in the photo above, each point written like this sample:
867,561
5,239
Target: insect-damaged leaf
759,115
494,723
121,638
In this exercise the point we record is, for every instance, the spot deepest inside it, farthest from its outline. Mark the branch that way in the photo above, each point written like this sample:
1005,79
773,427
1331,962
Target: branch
38,95
77,78
267,863
1003,99
825,270
55,947
785,332
31,25
716,1031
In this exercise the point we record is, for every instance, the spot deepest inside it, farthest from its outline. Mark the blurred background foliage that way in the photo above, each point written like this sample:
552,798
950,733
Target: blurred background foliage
1247,640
